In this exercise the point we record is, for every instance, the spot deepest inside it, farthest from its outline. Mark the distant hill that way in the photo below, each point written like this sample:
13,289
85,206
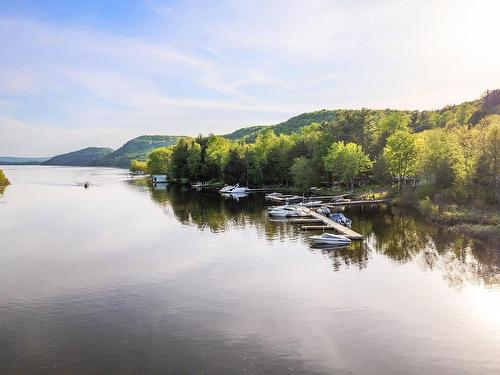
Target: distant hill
348,120
84,157
13,160
464,113
137,148
287,127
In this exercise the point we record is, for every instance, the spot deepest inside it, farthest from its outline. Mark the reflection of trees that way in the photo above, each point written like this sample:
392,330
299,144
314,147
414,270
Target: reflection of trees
462,261
354,255
400,236
403,237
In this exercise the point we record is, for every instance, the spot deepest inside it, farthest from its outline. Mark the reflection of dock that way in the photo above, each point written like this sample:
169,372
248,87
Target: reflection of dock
329,224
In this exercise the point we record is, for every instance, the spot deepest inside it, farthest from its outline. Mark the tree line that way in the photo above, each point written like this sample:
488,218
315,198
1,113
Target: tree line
455,151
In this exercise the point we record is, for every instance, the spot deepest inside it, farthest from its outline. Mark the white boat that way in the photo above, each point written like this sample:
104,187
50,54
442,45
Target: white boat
234,189
228,188
286,211
312,204
331,239
239,189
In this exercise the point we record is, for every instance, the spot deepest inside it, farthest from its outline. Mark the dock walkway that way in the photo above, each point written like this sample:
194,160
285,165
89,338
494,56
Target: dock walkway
372,201
329,223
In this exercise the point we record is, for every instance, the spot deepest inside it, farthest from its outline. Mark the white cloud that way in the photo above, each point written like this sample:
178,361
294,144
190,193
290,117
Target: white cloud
241,64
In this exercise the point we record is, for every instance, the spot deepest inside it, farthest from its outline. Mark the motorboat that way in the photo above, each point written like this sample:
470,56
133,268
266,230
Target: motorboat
239,189
325,211
286,211
227,188
236,189
311,204
341,219
331,239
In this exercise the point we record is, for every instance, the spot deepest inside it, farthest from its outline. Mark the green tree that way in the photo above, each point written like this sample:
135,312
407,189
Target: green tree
401,154
217,153
488,169
159,160
381,170
302,172
438,157
236,167
194,161
138,166
180,154
346,161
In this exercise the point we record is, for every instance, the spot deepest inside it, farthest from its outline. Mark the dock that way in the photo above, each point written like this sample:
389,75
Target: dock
329,224
349,203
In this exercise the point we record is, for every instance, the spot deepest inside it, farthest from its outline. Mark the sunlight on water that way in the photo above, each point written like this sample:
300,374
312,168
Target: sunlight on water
123,277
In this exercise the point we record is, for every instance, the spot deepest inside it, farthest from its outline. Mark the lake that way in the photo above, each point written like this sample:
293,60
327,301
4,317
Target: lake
122,278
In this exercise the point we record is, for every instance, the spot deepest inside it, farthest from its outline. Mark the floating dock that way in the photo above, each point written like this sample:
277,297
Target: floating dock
349,203
329,224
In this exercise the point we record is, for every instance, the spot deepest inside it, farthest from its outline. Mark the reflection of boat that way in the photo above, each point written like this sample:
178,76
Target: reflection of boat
331,239
328,247
160,186
235,196
286,211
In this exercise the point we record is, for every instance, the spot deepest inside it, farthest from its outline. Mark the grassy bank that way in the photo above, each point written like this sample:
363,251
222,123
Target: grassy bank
474,220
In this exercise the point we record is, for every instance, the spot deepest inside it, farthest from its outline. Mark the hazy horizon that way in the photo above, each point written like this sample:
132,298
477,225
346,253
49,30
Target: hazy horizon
80,74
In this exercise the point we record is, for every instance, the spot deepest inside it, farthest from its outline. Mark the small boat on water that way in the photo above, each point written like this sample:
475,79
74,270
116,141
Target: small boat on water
331,239
234,189
227,188
285,211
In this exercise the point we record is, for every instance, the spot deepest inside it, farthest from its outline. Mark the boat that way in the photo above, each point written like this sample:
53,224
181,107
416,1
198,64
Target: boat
286,211
239,189
325,211
234,189
312,204
331,239
341,219
227,188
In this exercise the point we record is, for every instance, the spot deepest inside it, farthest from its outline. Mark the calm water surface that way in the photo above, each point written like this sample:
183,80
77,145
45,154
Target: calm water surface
124,279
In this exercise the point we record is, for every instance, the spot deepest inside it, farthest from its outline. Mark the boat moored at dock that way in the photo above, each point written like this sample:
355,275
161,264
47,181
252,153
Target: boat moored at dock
331,239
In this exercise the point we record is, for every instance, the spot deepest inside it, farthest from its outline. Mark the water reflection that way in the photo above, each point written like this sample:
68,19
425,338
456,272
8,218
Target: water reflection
399,236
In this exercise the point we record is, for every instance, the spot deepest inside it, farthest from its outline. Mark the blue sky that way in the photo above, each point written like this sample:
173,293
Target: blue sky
97,73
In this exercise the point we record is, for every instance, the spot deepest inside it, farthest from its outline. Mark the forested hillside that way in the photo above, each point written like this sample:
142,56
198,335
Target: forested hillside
468,112
137,148
454,152
84,157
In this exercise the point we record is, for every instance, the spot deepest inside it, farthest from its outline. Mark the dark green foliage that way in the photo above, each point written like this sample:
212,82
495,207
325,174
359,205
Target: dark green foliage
235,170
85,157
491,98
